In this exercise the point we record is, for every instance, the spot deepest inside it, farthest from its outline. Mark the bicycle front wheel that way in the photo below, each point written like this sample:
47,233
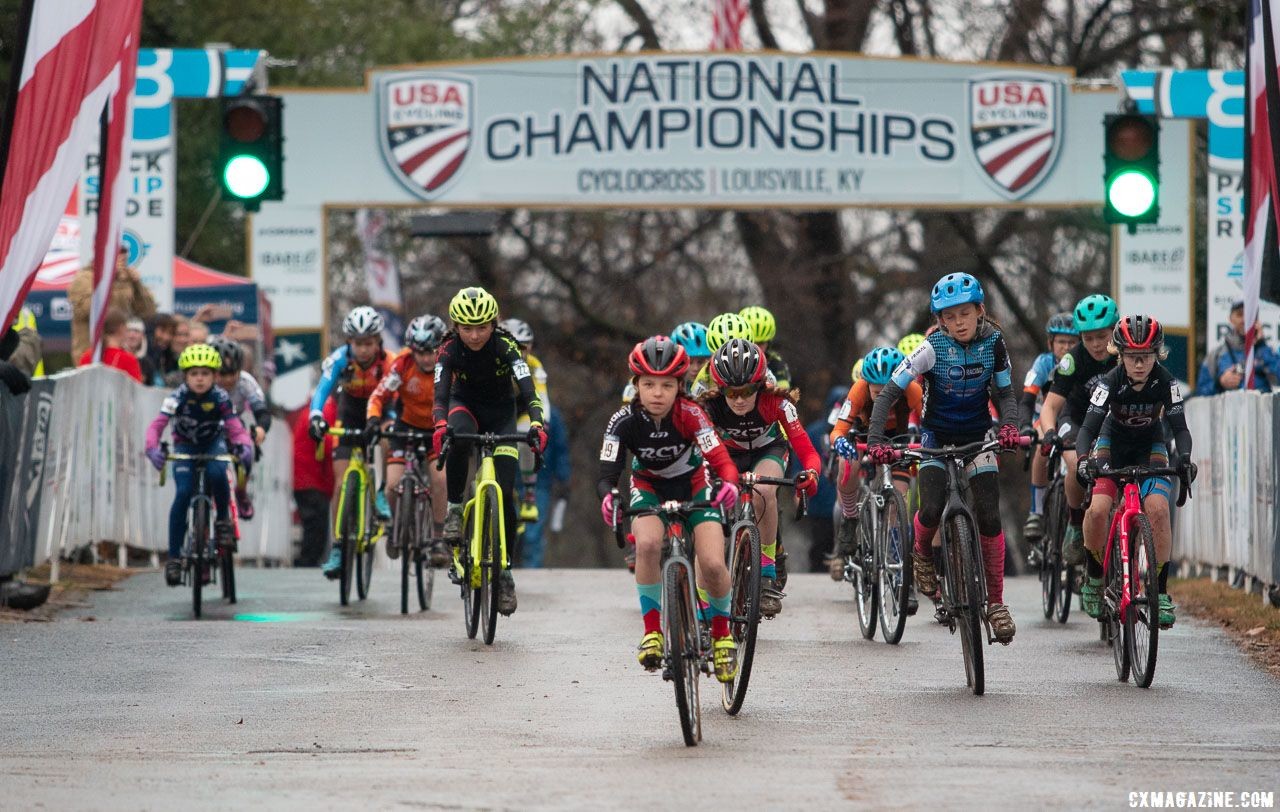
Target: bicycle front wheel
199,553
227,560
864,572
893,542
1051,558
681,632
426,576
400,539
744,568
965,576
364,561
470,597
1112,628
1142,618
350,531
490,568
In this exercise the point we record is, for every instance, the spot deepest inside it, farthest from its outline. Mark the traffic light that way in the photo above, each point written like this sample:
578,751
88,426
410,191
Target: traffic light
251,155
1131,169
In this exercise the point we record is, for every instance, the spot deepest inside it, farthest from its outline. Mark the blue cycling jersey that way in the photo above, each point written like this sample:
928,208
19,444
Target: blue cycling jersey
340,369
1038,378
959,379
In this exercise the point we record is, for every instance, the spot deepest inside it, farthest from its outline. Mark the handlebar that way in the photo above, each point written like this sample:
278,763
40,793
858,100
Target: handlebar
485,439
964,452
669,507
183,457
342,431
1137,473
748,479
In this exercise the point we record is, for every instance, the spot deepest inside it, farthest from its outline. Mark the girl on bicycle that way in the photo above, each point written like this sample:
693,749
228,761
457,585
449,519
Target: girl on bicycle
965,364
669,437
756,426
411,379
1063,337
201,413
1127,414
480,374
245,393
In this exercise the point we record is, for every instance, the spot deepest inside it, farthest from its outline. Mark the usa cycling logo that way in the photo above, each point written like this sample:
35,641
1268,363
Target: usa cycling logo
424,128
1015,129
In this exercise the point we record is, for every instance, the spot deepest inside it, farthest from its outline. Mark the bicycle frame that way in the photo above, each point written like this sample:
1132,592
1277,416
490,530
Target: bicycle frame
957,485
486,482
1121,521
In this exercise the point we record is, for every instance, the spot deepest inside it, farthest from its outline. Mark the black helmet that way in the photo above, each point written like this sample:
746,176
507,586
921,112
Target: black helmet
738,362
231,352
425,333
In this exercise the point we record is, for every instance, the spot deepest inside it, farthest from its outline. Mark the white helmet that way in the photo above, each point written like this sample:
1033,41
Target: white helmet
520,330
362,322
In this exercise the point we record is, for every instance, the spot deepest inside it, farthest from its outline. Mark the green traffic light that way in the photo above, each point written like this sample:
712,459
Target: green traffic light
1131,193
246,176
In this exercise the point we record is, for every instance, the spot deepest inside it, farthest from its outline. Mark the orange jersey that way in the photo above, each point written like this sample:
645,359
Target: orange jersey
859,405
415,388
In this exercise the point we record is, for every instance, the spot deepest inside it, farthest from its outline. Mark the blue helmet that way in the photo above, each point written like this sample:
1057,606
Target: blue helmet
955,289
693,337
880,363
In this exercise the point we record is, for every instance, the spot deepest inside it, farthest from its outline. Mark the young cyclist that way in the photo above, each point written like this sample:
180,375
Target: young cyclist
908,343
721,329
1127,415
354,369
411,380
877,370
693,337
669,436
523,334
756,425
1063,336
764,329
1068,400
480,377
201,413
965,364
245,392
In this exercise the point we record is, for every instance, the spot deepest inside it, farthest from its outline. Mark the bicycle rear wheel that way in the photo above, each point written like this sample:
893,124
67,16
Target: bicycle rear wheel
1112,629
965,576
1142,618
893,541
470,597
199,553
350,532
864,572
744,568
425,576
228,567
681,632
367,547
490,569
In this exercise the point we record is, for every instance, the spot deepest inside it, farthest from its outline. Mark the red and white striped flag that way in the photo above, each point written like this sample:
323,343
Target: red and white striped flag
72,56
1262,122
726,24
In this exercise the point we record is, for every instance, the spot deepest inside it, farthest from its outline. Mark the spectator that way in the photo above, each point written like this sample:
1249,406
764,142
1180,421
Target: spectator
553,481
197,332
127,293
181,340
13,378
313,487
135,343
27,357
113,352
160,345
1223,367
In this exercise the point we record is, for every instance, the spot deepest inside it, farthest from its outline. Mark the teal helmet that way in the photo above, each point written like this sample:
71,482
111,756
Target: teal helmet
1096,312
880,363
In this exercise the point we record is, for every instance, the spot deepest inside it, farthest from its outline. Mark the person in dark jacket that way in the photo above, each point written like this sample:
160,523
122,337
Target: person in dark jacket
1223,368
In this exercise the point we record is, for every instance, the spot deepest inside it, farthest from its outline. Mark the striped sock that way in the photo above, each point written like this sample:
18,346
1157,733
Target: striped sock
848,503
650,606
768,552
720,616
1037,500
703,605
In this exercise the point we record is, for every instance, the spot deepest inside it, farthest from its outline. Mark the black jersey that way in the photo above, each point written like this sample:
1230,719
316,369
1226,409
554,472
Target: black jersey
1074,378
1136,415
484,376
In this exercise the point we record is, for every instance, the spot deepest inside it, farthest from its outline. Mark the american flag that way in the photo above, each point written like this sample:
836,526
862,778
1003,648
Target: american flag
430,153
71,57
1262,122
726,24
1014,154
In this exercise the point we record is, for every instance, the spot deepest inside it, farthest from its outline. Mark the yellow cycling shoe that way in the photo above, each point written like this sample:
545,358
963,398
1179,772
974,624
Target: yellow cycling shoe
528,512
725,656
650,651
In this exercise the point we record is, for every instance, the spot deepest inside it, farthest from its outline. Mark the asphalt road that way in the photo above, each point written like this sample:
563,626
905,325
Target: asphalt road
287,700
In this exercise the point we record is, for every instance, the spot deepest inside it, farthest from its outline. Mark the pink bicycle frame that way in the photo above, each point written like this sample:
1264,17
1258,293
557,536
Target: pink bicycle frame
1121,522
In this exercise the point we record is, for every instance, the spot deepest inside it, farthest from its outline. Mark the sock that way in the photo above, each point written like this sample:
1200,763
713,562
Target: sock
437,529
1093,563
1037,500
768,569
848,503
703,605
1076,517
993,563
1164,578
720,616
650,606
924,538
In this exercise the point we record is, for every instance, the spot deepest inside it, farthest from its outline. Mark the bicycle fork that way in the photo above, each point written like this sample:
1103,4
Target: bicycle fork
691,592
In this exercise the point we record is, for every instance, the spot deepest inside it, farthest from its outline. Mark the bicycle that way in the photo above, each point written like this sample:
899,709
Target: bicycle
1057,578
201,547
481,556
1130,575
411,525
959,558
686,650
742,554
351,524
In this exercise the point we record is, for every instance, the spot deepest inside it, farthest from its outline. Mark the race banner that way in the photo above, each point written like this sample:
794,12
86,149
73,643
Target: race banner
381,274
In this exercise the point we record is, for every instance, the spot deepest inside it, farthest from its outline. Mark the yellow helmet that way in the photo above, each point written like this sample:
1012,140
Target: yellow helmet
200,355
856,373
724,327
909,343
473,306
763,326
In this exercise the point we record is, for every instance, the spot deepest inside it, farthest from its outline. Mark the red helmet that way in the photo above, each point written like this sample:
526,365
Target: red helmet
1140,332
658,355
738,363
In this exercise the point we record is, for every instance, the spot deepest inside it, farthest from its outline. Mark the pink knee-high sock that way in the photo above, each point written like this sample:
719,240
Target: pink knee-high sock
924,537
993,563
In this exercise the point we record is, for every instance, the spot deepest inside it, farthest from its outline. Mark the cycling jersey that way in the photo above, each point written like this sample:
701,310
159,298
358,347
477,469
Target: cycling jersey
539,373
415,388
857,410
1074,379
248,393
1034,386
496,374
198,420
773,419
959,381
779,370
670,448
341,371
1134,416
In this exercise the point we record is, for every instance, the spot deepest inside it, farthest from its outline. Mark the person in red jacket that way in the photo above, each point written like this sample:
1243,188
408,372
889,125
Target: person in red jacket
759,426
113,352
313,486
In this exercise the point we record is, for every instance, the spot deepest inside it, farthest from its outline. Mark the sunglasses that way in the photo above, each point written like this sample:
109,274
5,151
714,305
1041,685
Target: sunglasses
741,392
1140,357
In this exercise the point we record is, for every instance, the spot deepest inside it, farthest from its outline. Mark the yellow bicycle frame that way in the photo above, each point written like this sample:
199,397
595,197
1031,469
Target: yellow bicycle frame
486,481
355,466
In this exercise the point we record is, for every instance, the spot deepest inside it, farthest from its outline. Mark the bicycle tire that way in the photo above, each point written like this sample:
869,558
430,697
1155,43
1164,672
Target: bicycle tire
426,576
1050,557
490,570
347,538
1113,629
367,547
199,549
744,611
967,597
893,571
227,560
865,593
681,639
401,532
1142,619
470,597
